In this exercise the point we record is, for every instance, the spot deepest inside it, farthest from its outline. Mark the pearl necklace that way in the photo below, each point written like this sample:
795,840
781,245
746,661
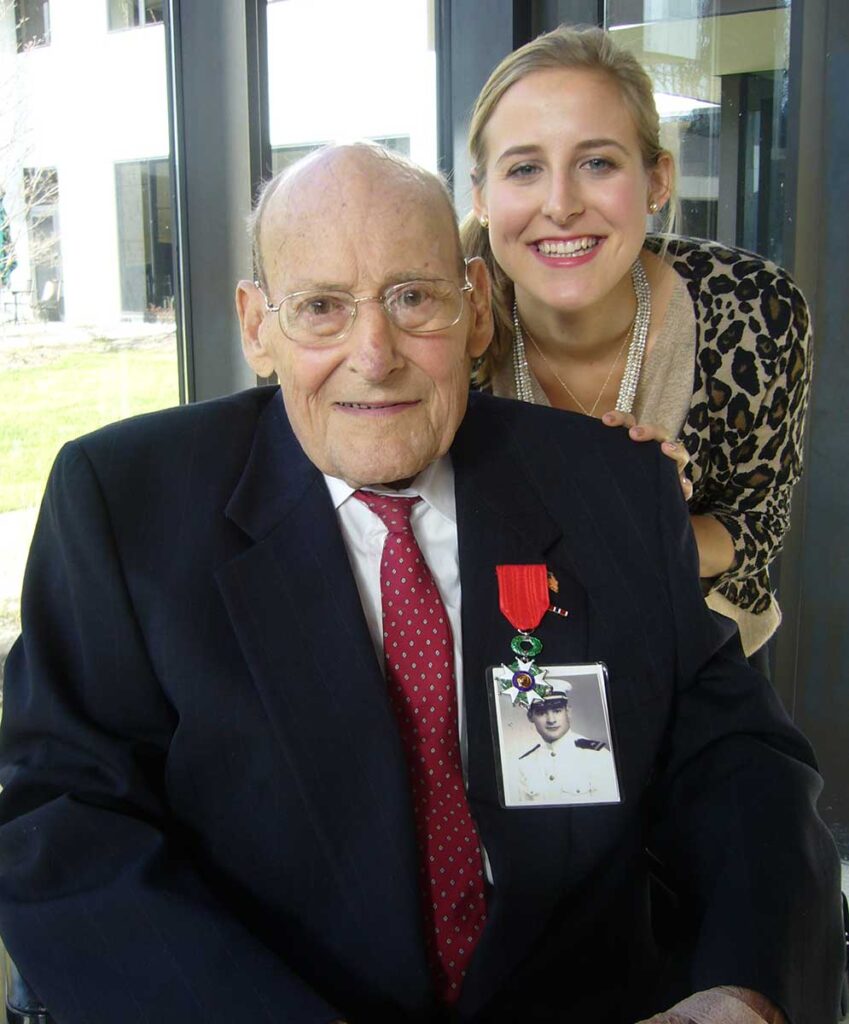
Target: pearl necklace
633,364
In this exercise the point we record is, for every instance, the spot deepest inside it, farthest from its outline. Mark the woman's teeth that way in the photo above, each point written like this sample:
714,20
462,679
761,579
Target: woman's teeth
574,247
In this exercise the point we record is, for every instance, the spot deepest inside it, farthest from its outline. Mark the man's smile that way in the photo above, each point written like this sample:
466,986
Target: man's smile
378,408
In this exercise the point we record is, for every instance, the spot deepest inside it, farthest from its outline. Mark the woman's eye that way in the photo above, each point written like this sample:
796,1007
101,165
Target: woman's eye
598,164
522,171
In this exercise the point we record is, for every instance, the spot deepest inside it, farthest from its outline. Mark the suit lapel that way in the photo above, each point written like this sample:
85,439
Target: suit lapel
296,612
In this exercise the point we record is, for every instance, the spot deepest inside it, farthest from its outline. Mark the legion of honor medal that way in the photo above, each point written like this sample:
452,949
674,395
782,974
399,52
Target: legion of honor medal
523,600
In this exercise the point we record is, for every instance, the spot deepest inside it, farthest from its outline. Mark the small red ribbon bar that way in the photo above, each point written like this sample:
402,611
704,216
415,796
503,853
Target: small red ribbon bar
523,594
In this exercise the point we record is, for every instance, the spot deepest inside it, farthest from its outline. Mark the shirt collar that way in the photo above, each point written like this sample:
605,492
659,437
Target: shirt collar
434,485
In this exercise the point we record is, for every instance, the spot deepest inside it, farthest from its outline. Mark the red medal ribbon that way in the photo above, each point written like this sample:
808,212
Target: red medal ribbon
523,594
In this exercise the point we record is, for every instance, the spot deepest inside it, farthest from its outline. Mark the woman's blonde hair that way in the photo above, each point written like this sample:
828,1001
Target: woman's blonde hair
590,49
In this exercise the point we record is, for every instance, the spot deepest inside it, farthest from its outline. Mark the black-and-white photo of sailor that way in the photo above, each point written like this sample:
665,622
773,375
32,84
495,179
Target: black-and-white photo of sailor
556,748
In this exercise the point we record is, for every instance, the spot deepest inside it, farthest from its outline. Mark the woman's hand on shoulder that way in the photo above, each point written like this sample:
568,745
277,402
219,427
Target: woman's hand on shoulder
671,447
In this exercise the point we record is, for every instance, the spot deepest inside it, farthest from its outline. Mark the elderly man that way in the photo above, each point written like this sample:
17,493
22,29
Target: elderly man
249,765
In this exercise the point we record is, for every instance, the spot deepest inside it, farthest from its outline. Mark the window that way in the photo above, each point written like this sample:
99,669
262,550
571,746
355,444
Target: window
32,23
135,13
397,143
720,77
87,331
284,156
41,198
388,79
143,195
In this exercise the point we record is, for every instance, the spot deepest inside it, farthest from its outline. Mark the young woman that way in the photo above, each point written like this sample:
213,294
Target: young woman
694,344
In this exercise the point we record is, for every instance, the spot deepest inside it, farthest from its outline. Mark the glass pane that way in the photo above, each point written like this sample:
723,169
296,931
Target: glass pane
719,69
86,280
133,13
381,53
143,196
32,23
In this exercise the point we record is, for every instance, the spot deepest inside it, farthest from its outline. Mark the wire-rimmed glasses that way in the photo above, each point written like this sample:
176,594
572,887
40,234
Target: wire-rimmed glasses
319,316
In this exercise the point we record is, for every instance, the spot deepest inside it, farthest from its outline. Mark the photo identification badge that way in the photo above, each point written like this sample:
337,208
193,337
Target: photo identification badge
550,723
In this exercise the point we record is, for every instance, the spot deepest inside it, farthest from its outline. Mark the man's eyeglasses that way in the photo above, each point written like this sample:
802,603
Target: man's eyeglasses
417,307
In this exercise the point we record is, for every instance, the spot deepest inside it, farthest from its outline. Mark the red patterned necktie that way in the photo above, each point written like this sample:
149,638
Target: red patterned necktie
419,657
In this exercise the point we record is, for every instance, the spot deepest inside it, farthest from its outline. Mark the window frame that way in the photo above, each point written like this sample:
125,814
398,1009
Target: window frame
25,39
140,15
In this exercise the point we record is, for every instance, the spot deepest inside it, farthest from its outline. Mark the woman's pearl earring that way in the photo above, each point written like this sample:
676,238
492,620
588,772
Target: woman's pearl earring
653,207
484,221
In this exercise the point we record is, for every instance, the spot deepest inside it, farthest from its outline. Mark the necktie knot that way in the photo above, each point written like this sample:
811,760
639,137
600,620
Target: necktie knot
393,510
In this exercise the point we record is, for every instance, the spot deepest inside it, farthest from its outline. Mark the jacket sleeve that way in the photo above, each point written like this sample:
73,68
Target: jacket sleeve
101,905
734,816
757,398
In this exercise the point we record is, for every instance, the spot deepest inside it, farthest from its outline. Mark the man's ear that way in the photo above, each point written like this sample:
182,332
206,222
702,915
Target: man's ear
250,305
480,300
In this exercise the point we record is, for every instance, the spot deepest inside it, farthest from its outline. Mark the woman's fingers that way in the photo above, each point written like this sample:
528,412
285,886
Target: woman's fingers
649,432
614,418
637,431
676,450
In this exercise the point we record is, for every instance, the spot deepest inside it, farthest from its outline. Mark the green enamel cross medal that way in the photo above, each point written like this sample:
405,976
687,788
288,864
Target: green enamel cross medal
523,600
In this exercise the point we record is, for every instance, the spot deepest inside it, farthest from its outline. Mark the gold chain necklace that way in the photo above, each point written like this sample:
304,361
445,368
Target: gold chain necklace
587,412
633,364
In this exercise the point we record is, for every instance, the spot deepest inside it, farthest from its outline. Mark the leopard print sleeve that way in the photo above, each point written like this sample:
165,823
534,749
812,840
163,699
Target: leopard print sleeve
744,431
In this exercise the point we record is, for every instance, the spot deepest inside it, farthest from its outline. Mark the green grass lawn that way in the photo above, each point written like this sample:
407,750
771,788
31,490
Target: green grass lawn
43,406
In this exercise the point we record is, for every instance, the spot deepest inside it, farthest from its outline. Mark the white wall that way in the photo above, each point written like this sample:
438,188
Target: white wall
338,69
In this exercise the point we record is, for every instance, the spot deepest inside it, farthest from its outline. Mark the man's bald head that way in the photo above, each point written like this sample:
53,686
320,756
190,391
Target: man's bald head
346,232
335,167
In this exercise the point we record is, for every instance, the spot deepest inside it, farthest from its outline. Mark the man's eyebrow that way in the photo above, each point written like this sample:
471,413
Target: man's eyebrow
415,274
390,281
315,286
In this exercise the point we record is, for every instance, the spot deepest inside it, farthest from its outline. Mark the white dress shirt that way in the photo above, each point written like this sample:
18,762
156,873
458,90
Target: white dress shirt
434,523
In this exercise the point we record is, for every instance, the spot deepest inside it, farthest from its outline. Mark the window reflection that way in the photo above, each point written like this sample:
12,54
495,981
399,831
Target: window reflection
143,194
32,23
283,156
41,195
720,73
135,13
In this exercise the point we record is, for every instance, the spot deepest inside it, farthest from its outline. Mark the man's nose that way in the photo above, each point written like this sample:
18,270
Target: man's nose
374,343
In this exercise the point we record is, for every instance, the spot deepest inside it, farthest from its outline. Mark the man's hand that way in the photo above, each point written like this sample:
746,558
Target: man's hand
724,1005
671,447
